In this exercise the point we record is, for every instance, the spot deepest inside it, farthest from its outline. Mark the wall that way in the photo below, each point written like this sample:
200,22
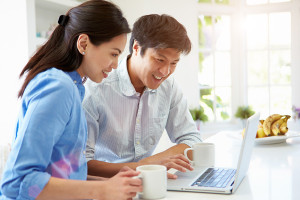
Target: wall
47,14
295,55
185,12
13,55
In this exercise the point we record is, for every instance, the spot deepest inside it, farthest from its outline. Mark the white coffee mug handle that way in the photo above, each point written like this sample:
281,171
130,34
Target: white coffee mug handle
141,178
185,153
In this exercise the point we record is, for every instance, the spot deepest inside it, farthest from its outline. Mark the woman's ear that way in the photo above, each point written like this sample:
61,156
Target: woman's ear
82,43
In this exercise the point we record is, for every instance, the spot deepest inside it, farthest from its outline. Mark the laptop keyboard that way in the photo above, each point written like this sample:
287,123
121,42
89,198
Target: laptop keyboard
215,177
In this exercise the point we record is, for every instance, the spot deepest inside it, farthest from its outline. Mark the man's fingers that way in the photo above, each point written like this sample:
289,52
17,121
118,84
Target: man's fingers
183,164
181,157
175,166
172,176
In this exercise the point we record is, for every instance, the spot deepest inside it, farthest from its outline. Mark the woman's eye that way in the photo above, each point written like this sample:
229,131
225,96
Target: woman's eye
160,60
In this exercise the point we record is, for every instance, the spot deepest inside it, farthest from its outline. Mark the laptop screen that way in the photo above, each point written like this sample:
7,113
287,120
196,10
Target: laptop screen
246,150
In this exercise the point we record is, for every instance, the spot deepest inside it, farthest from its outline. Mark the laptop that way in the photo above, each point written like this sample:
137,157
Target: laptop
218,179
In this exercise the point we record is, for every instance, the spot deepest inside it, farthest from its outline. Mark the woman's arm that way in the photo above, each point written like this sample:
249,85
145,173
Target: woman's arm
121,186
95,178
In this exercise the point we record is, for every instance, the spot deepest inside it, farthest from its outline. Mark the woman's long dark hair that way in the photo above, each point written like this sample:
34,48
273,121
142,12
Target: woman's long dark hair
99,19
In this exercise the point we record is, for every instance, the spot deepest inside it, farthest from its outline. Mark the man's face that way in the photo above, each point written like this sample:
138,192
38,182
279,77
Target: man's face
155,66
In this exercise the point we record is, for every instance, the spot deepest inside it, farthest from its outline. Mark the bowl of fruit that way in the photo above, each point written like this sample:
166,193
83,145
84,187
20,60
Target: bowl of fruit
274,130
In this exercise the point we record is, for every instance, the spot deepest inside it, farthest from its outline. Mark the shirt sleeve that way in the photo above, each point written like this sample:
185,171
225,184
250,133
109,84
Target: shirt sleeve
46,108
181,127
92,118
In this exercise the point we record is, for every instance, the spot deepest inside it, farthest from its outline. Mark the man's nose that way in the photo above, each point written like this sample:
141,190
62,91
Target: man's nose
165,70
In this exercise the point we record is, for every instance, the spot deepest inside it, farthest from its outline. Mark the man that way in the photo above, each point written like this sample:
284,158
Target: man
128,112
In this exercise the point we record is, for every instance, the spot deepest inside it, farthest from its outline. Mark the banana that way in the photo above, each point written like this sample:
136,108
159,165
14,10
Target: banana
283,127
261,121
243,132
275,126
268,122
260,133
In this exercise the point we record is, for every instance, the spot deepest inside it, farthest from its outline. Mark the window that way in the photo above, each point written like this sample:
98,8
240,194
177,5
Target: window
245,56
215,66
269,62
224,2
260,2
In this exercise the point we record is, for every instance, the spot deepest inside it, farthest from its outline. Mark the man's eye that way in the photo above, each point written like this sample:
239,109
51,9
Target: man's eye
160,60
115,55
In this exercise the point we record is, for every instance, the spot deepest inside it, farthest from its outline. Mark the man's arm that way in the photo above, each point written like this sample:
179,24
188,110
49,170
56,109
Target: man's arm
180,126
105,169
171,158
172,151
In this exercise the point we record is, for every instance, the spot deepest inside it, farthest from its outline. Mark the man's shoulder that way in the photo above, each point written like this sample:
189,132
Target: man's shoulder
110,80
99,92
167,85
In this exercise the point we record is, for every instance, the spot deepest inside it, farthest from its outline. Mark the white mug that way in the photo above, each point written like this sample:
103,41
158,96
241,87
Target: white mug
203,154
154,178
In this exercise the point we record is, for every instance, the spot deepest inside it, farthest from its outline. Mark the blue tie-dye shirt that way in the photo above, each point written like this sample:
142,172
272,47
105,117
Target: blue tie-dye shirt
50,135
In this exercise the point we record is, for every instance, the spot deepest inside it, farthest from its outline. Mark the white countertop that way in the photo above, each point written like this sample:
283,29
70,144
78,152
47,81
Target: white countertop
274,172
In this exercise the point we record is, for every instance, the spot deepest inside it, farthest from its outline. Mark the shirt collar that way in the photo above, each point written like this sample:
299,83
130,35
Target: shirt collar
125,83
76,78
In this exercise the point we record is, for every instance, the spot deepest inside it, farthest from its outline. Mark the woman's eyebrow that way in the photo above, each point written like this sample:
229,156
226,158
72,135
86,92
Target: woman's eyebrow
117,50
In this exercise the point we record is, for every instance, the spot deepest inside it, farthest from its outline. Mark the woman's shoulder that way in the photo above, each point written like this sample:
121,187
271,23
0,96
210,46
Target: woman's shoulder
55,75
51,79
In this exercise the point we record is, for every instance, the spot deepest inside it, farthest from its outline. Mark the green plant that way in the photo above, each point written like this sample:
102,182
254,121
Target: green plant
244,112
198,114
207,100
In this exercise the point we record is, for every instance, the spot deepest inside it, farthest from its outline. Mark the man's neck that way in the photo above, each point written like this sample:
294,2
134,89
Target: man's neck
136,82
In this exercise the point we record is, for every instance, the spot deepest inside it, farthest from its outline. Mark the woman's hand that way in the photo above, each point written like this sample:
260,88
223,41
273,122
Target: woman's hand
122,186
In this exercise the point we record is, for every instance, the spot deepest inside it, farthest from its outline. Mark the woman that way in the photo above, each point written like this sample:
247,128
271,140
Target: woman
47,160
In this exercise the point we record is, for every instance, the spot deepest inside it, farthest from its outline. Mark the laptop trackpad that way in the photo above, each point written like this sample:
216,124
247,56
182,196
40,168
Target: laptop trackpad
185,178
188,174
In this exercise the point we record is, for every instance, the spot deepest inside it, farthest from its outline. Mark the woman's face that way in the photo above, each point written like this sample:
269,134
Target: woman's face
99,60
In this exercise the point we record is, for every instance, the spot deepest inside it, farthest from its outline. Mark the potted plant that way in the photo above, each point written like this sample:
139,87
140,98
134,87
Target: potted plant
244,112
198,116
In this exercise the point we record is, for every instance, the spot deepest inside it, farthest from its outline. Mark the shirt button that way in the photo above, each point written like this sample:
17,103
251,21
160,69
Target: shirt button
152,140
138,121
138,142
75,81
84,152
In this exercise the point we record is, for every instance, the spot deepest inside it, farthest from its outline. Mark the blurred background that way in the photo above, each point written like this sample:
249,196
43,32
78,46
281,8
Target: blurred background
245,53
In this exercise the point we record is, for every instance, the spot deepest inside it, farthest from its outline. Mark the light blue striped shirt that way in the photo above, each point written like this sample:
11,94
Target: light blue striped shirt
50,135
124,126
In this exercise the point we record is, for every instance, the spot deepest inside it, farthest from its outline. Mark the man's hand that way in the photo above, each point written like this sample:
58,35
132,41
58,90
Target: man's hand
178,161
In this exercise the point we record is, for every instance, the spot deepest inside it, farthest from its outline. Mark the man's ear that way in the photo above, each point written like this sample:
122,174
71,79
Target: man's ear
136,48
82,43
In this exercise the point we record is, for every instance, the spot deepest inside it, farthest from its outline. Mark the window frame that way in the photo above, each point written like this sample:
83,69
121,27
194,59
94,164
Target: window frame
238,10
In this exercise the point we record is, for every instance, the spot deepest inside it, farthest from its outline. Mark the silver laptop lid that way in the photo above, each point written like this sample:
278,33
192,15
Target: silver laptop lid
246,150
